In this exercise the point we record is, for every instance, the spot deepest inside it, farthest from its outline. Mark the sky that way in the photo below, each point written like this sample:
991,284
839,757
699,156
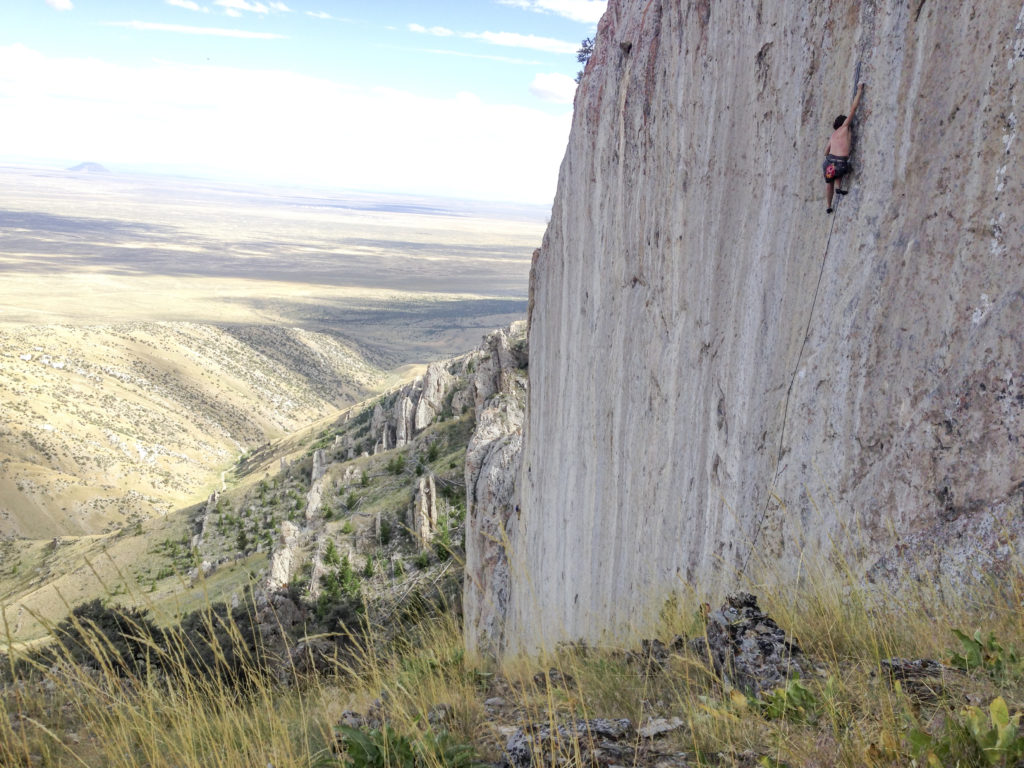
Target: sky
457,98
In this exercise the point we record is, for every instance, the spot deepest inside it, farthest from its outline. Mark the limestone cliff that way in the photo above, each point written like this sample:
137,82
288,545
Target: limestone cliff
492,465
721,374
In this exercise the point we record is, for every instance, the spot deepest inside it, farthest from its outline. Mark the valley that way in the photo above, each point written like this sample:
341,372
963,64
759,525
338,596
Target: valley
154,329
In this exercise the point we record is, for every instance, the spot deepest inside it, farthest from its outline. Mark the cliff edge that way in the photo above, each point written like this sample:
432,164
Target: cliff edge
722,376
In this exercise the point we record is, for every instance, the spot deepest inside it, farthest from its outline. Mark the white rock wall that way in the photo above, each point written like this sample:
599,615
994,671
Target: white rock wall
708,381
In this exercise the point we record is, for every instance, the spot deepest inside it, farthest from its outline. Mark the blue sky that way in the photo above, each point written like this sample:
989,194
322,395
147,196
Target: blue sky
465,98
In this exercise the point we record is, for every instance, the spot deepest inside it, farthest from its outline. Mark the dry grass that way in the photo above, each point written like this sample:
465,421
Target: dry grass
421,680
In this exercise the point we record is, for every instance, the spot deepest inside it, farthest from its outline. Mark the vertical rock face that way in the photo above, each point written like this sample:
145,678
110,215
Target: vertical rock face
318,566
492,467
503,353
314,497
282,560
723,375
379,426
424,511
204,520
404,420
436,384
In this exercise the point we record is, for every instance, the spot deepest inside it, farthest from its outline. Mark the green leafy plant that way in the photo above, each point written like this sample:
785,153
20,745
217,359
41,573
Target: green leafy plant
987,654
976,737
794,703
443,542
997,734
386,748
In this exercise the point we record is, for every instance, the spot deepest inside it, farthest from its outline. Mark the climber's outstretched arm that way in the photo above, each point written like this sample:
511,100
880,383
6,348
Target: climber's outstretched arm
855,104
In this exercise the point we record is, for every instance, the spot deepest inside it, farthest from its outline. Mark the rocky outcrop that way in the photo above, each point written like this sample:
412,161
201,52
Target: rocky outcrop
314,497
436,383
423,515
492,467
379,426
414,407
405,427
204,520
318,568
503,353
724,378
283,558
747,648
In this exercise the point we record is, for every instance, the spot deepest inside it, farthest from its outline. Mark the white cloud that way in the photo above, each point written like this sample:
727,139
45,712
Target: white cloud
485,56
280,7
509,39
319,14
436,31
554,87
153,26
186,4
232,7
60,5
586,11
516,40
274,126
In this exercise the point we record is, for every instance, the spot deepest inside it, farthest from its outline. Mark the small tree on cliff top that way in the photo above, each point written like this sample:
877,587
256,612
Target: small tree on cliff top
583,55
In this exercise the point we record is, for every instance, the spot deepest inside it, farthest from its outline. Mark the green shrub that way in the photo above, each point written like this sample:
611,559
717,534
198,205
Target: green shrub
331,556
100,636
443,543
386,748
975,738
794,703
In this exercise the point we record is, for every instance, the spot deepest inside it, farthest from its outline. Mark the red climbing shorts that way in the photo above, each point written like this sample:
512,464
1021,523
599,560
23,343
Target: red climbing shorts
835,167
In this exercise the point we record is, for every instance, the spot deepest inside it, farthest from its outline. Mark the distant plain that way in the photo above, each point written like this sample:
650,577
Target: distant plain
107,247
153,328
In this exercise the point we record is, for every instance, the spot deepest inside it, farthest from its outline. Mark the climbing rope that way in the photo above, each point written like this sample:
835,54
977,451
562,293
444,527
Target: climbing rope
789,391
799,358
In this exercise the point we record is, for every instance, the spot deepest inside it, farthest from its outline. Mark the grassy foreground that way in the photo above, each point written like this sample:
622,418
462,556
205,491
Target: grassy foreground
430,705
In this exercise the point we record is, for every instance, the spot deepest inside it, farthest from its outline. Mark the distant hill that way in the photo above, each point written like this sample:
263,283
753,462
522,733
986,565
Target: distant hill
88,168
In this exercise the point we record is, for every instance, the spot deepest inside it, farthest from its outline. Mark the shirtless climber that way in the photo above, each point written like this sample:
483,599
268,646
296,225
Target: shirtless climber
837,151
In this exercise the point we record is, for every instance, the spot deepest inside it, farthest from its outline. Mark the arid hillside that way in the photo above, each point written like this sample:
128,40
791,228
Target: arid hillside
106,424
153,329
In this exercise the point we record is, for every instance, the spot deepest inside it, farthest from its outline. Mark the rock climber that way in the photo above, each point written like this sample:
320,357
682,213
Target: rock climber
837,151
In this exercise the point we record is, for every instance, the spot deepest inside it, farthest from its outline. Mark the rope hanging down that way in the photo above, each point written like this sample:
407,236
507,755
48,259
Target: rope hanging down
789,391
796,370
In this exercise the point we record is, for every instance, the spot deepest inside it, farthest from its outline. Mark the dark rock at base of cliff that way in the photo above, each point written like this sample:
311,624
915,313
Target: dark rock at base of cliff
747,648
